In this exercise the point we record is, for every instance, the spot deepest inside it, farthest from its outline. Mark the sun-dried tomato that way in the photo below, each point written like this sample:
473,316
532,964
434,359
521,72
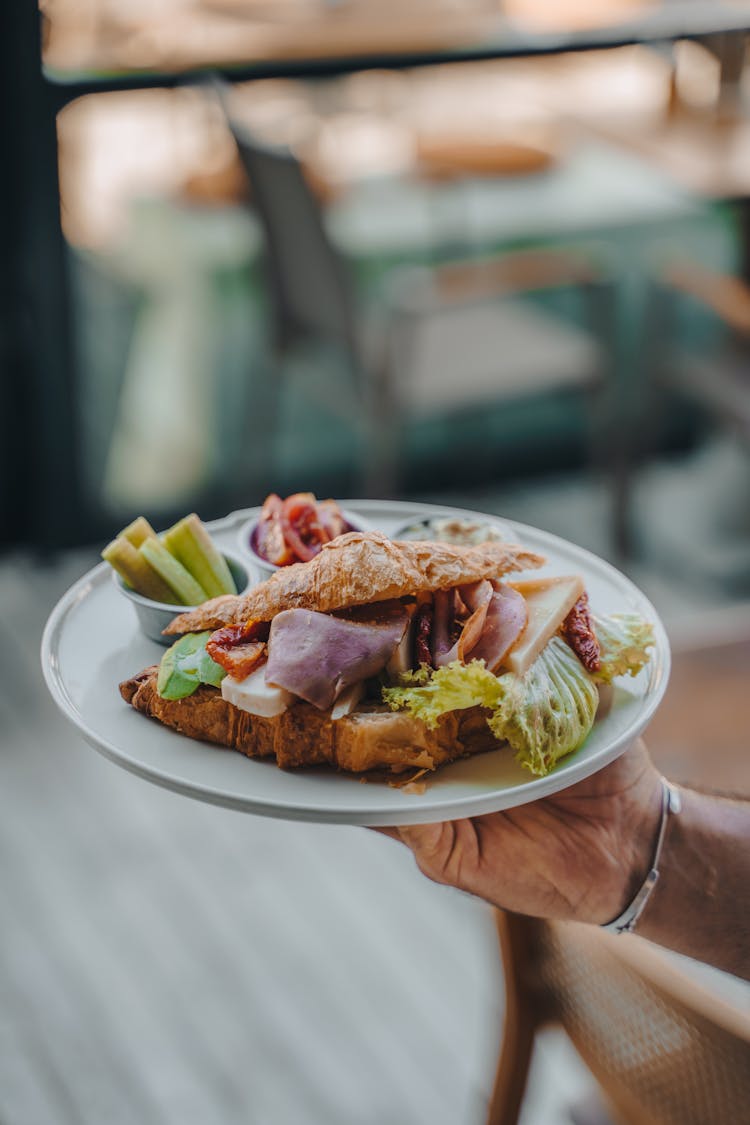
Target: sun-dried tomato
271,507
295,529
270,543
302,527
239,648
578,631
332,518
423,634
268,537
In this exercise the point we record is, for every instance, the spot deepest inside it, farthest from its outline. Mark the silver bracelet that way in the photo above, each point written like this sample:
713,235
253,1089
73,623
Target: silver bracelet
626,922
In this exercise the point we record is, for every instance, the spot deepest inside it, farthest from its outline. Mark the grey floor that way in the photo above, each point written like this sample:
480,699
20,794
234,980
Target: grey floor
165,962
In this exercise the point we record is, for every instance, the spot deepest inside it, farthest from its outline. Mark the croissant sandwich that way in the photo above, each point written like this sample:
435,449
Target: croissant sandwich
391,656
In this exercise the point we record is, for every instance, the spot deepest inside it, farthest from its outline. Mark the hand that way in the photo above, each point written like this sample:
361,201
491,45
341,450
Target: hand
581,854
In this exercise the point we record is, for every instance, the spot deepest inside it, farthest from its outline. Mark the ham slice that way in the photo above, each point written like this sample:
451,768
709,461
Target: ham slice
317,655
497,618
476,596
505,620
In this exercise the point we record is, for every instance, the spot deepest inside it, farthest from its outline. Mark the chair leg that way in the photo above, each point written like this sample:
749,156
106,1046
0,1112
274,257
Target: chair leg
261,460
383,437
638,444
381,474
608,460
512,1069
621,485
522,1018
609,418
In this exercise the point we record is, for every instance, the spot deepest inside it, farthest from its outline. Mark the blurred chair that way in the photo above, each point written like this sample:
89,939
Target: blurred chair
719,383
417,357
714,379
663,1049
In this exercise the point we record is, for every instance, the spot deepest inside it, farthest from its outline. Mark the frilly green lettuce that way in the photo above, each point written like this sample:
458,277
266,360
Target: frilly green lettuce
187,665
544,714
549,710
623,640
427,695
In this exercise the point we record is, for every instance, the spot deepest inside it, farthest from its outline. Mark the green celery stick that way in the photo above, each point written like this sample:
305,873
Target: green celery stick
173,572
135,570
191,544
137,531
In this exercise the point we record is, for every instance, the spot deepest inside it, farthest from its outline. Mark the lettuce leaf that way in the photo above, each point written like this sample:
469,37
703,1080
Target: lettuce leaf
549,710
623,639
187,665
544,714
427,695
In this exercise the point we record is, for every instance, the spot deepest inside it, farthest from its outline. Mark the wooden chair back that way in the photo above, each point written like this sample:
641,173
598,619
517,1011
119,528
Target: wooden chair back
663,1049
309,283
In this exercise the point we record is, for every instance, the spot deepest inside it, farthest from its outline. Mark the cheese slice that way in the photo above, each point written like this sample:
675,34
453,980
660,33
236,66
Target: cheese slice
549,601
254,695
348,700
403,658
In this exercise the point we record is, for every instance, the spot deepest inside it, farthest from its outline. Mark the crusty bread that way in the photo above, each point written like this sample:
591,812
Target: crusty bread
373,738
357,569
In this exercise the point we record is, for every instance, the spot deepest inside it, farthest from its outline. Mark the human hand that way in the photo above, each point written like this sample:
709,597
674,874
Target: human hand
581,854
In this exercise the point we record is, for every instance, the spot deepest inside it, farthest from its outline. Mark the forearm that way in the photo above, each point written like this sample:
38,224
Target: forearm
701,904
583,854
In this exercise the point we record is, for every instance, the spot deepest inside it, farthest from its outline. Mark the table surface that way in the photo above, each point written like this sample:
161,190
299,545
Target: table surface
595,187
309,37
708,157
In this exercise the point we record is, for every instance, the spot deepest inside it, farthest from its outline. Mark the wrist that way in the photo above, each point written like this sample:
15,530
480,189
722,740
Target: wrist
636,834
628,919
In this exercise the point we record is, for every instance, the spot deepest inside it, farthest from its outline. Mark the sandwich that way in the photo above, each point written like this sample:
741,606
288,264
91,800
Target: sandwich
393,657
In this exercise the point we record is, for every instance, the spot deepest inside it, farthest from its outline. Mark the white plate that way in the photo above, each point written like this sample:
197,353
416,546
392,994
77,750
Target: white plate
92,642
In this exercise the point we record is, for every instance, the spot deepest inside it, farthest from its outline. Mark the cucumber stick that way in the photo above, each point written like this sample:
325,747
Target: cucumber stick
187,589
191,544
135,570
137,531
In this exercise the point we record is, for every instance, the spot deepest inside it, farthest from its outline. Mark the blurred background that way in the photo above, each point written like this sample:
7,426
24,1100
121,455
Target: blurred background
491,253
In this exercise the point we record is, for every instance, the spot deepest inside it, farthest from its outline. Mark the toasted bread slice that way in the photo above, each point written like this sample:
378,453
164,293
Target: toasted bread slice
373,738
358,569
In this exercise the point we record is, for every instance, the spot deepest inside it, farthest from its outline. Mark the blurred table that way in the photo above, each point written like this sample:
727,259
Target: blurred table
107,46
594,188
116,47
708,156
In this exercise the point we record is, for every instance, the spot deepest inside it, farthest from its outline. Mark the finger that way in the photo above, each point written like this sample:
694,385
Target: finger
423,839
392,832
